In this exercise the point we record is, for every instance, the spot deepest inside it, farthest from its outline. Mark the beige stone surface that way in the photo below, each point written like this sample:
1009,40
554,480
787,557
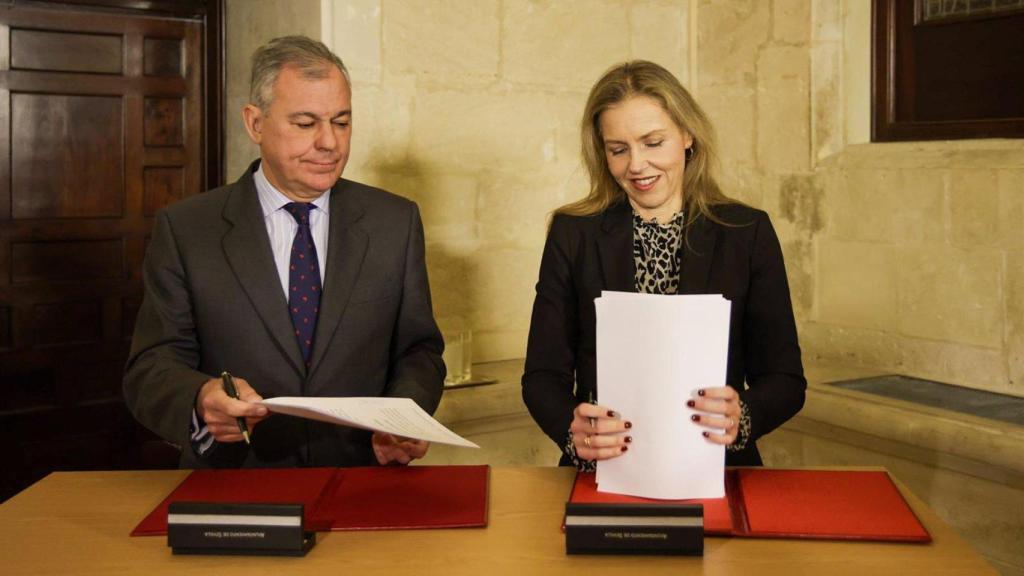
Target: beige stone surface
251,24
563,45
791,21
892,206
743,182
828,342
826,21
514,208
857,49
1011,209
827,112
732,109
456,41
1015,321
505,276
956,363
730,35
974,207
797,201
354,33
660,32
783,109
474,131
857,283
799,256
992,154
951,294
887,352
381,128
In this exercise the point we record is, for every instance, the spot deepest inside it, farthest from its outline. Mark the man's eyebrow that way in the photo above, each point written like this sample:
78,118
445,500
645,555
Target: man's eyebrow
312,116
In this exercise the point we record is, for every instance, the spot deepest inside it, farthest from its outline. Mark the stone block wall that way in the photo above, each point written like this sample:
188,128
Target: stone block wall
472,109
902,257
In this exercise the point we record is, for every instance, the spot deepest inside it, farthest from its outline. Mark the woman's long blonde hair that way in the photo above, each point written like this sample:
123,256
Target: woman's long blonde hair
643,78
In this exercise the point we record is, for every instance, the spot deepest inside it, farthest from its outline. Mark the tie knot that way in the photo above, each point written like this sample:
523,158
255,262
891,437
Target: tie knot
300,211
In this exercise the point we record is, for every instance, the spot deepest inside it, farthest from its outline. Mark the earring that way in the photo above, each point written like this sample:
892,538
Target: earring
689,153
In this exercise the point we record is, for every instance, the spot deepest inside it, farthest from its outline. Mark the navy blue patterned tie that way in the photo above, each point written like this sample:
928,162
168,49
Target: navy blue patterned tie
303,280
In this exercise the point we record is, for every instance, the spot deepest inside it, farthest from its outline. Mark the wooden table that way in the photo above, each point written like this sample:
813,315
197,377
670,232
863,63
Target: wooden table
78,523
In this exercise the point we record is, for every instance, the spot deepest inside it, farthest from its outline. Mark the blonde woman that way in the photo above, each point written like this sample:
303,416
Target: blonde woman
656,221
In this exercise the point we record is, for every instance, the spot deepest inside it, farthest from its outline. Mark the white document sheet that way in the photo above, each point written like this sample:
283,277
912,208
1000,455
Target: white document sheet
653,353
398,416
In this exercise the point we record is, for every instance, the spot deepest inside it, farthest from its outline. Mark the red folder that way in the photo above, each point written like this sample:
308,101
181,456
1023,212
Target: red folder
372,498
769,503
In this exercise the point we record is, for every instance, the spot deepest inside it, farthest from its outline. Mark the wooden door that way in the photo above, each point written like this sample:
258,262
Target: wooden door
101,124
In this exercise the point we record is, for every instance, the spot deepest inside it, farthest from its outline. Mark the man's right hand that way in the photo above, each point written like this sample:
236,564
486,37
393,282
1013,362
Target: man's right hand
221,412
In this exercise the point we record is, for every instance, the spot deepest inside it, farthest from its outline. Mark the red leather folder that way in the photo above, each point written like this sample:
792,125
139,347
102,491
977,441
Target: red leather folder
401,497
821,504
372,498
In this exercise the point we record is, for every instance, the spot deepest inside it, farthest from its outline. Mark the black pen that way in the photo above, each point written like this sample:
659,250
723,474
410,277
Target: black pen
229,389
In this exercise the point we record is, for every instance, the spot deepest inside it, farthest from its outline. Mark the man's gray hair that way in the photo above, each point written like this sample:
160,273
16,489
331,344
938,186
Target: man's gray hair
311,57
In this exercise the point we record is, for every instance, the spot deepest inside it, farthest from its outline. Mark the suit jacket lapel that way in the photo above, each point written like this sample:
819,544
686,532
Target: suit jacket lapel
615,248
698,249
247,249
346,249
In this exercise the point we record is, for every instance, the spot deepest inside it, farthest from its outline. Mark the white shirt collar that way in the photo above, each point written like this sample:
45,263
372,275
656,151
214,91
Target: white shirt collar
272,200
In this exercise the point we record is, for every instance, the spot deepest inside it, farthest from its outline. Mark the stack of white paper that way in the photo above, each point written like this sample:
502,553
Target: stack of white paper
653,353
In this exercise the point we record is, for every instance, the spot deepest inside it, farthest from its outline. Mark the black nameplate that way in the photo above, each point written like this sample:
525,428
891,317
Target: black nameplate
634,529
218,528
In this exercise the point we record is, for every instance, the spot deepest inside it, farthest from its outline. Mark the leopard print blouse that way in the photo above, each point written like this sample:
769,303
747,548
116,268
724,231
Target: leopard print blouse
656,258
656,254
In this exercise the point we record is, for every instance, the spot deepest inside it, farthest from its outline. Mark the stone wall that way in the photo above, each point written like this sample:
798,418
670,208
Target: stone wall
248,24
903,257
472,109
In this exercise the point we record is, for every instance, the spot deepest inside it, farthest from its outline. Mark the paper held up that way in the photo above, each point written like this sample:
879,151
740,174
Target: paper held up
653,353
398,416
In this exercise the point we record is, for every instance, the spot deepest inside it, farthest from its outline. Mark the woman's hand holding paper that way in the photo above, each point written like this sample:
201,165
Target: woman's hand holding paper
599,433
717,409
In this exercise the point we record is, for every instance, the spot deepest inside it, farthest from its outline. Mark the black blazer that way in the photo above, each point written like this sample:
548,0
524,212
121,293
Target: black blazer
743,261
213,301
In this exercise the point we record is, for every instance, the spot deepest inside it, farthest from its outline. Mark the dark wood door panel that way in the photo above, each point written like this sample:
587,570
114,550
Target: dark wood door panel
68,156
58,51
102,119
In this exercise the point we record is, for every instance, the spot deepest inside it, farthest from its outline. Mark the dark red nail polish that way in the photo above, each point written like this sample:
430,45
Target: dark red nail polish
706,435
695,417
691,403
624,448
629,439
611,413
628,425
700,392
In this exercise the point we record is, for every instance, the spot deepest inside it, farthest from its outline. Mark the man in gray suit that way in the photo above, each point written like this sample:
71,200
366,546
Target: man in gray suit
296,281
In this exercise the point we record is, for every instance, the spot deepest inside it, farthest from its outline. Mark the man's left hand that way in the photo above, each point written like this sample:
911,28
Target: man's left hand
391,449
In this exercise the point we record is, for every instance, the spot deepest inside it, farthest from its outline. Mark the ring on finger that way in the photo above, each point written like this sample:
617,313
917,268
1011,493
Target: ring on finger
586,441
593,422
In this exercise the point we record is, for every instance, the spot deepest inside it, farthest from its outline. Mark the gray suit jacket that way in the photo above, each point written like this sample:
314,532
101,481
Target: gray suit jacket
213,302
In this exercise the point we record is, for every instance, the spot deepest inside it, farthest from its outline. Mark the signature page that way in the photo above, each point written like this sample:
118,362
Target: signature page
399,416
